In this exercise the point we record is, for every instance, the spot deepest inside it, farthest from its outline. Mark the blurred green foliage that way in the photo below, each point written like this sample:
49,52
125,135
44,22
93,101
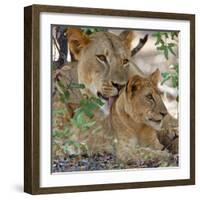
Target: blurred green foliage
90,30
173,75
85,112
64,90
82,118
164,42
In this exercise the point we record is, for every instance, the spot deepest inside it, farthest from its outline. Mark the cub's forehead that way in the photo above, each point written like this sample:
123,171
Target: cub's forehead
151,87
147,85
109,41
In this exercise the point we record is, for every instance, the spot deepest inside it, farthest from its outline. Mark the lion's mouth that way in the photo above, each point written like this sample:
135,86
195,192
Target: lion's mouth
155,123
158,121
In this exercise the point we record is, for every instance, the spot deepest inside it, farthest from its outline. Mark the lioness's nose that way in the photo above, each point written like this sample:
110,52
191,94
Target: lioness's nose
118,86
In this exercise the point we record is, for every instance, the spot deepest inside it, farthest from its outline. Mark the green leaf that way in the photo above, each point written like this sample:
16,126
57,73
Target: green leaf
176,68
59,112
66,94
171,50
174,80
171,44
165,74
166,53
162,42
62,98
156,34
92,30
57,133
98,101
67,132
166,35
78,112
80,119
89,124
88,104
165,79
66,149
61,85
88,112
157,41
173,35
76,85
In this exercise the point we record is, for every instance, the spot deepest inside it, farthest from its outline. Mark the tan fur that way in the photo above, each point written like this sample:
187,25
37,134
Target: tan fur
119,126
132,116
169,135
97,75
76,40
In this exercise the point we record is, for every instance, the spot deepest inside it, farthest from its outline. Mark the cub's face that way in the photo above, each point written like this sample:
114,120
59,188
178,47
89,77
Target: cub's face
103,61
144,100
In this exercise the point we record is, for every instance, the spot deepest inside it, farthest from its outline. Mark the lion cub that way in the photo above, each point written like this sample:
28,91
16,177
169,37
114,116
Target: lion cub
136,116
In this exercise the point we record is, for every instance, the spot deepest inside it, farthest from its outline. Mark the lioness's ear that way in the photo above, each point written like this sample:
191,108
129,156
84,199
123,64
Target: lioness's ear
127,38
76,40
155,77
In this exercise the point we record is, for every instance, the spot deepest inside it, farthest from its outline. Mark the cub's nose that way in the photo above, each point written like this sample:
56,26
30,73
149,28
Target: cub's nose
163,113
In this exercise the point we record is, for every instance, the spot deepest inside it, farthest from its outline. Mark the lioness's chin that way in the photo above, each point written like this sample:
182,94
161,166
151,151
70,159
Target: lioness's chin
157,125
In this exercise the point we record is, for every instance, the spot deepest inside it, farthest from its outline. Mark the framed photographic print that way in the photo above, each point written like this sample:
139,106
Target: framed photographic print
109,99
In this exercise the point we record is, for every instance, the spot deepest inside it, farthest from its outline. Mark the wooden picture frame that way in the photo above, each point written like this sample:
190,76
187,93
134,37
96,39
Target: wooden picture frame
32,98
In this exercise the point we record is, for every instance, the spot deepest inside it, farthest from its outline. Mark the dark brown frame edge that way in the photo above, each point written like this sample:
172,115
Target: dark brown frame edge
32,106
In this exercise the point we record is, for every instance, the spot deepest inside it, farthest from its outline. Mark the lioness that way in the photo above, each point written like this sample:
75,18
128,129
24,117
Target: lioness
103,61
136,115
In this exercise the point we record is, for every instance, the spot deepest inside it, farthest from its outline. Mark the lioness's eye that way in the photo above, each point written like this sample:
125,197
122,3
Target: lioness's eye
125,61
101,58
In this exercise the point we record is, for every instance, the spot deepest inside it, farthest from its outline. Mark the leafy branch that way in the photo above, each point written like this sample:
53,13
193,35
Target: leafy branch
82,117
86,111
162,43
89,31
64,90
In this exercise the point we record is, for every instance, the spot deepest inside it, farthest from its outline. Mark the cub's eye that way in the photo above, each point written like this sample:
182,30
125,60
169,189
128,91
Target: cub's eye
125,61
149,96
101,58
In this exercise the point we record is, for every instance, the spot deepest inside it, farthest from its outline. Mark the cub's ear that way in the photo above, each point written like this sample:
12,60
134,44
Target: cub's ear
127,37
155,77
133,85
76,41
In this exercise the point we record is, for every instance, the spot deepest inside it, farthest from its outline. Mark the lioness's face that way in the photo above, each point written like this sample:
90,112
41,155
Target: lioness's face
107,67
146,105
103,62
